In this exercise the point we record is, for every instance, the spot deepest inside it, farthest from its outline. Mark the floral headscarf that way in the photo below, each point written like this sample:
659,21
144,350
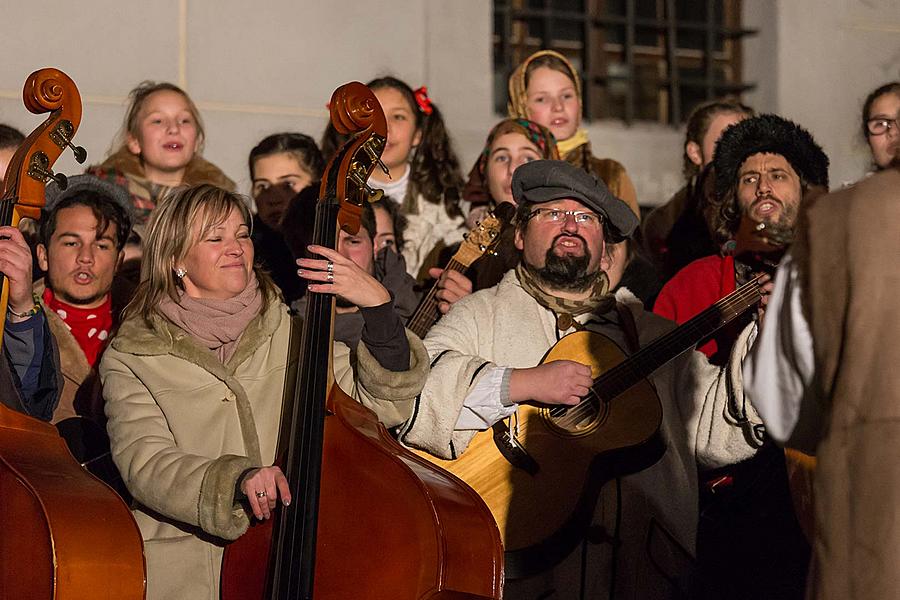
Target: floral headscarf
476,189
517,96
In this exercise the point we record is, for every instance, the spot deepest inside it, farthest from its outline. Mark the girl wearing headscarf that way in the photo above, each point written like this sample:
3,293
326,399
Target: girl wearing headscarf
511,143
546,88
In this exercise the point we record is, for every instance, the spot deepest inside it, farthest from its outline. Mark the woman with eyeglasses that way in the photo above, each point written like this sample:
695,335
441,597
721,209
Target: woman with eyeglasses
881,112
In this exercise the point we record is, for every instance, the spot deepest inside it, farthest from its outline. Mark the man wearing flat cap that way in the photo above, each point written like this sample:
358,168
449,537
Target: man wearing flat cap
763,168
486,361
82,234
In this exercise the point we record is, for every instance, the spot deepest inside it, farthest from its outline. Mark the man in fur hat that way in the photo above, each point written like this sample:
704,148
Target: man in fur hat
763,167
487,362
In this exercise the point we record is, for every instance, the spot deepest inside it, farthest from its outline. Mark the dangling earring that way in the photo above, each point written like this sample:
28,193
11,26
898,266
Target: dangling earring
180,272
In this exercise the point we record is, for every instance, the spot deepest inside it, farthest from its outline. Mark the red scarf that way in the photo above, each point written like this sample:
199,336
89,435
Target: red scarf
90,327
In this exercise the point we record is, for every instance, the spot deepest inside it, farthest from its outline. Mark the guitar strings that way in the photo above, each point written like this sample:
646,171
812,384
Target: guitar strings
626,371
419,325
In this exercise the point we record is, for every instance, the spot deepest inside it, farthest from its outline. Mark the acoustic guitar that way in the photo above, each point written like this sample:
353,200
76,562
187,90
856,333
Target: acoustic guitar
541,471
481,240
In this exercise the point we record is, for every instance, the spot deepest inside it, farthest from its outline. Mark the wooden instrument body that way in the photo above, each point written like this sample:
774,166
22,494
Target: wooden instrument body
543,516
410,530
65,534
385,523
543,508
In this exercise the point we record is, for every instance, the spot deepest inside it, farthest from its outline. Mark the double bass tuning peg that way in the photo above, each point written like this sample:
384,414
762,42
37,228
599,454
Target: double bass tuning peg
62,137
39,169
80,153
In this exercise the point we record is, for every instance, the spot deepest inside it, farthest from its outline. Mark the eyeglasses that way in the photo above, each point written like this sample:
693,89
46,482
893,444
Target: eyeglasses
880,126
557,215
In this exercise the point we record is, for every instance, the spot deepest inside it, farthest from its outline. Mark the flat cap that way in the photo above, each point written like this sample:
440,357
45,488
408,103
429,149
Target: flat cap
79,184
541,181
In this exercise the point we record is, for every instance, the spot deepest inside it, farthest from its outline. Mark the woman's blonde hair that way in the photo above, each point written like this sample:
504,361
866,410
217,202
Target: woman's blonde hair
138,96
170,235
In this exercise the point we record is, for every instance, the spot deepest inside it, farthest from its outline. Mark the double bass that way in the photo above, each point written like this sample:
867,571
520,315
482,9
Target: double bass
65,535
369,519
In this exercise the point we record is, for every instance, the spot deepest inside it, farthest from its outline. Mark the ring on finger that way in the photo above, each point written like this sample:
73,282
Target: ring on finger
329,266
329,276
261,494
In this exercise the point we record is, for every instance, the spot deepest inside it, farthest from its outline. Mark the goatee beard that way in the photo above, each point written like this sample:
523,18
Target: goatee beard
786,219
565,273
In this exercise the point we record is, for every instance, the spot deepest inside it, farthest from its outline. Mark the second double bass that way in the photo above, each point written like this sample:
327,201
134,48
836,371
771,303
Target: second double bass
369,519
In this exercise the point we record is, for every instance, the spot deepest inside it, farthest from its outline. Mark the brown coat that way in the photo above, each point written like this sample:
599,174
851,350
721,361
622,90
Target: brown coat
850,260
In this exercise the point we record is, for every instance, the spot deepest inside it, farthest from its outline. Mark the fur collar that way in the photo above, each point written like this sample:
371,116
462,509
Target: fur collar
137,337
199,170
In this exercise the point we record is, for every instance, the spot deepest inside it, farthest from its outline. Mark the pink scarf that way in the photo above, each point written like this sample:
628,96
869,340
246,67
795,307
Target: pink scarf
215,324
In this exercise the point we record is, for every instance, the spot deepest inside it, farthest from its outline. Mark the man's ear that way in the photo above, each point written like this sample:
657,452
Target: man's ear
520,240
605,257
694,152
41,251
120,261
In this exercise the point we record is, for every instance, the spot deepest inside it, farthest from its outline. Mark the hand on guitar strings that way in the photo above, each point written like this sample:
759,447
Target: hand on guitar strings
556,382
15,263
263,487
451,286
338,275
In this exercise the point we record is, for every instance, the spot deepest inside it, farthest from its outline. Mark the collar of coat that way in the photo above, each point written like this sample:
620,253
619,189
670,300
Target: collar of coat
140,338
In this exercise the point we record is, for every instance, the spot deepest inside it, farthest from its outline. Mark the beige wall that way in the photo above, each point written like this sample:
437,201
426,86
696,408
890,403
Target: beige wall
272,67
816,60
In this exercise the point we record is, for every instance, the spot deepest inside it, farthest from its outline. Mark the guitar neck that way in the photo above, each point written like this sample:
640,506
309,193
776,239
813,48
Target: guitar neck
670,345
428,313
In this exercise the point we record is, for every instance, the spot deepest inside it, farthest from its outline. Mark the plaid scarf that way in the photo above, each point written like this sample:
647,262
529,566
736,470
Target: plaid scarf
600,300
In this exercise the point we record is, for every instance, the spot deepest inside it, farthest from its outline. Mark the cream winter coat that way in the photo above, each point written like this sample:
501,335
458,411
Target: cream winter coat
183,427
505,326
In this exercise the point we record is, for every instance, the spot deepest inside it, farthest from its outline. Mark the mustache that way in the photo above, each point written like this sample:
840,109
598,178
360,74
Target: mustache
568,235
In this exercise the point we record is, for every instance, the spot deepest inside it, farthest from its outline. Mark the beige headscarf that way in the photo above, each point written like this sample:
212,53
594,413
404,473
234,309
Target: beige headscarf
518,98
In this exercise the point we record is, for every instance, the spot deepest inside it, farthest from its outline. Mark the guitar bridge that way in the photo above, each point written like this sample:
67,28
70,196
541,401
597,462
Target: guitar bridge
512,450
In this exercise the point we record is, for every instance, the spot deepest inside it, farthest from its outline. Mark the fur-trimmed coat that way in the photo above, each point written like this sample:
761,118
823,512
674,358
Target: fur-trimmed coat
183,426
702,423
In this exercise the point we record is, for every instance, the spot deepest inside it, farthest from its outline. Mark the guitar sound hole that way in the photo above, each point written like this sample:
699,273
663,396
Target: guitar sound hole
580,419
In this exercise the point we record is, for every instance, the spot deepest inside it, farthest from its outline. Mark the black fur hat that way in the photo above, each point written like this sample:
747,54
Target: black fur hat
768,134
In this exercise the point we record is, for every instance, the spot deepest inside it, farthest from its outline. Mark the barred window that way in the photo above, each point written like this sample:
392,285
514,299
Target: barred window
640,60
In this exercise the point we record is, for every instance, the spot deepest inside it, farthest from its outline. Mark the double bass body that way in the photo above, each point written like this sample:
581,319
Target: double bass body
369,519
63,534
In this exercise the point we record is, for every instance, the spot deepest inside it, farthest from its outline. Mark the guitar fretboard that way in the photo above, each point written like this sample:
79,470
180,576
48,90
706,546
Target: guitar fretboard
428,313
668,346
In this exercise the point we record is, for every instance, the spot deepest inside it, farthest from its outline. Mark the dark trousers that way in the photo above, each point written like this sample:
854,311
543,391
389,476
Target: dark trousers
749,543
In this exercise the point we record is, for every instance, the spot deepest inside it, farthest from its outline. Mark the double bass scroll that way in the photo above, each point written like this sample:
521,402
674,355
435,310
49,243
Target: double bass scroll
369,519
65,535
